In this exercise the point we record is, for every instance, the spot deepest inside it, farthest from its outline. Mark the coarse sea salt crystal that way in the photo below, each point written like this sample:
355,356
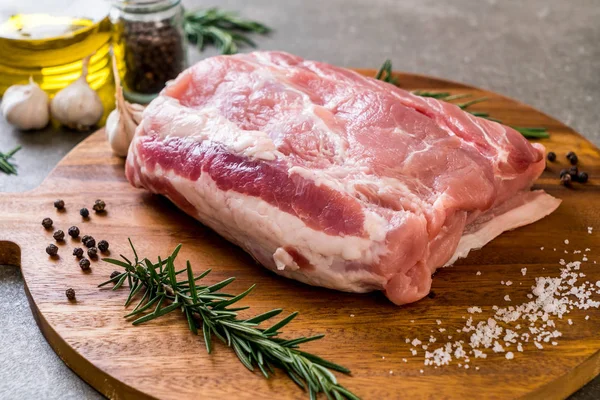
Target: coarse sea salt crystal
507,298
566,241
437,321
415,342
421,371
478,273
524,271
474,309
508,283
542,248
404,360
509,355
587,317
520,347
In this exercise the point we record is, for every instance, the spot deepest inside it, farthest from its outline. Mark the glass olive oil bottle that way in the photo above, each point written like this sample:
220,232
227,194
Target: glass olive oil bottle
48,41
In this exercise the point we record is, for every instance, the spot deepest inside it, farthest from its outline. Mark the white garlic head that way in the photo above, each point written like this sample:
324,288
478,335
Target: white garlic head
26,106
77,106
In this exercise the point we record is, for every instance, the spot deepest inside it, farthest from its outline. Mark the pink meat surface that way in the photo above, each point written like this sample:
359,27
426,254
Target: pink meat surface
332,178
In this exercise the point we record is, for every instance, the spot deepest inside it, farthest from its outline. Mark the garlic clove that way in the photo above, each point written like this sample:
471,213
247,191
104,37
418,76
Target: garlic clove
117,138
77,106
123,121
26,106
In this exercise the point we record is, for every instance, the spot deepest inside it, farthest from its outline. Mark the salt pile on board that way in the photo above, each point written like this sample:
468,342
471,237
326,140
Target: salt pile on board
513,328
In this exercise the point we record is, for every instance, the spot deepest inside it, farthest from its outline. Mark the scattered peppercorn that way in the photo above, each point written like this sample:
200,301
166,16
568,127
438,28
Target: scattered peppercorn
99,206
47,223
78,252
74,232
551,156
573,171
70,294
59,235
431,294
566,180
103,246
52,250
84,264
573,160
114,274
563,172
570,154
88,241
582,177
84,212
59,204
92,252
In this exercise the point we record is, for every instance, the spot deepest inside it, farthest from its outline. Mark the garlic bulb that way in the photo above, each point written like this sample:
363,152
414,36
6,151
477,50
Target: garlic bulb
77,106
122,122
26,106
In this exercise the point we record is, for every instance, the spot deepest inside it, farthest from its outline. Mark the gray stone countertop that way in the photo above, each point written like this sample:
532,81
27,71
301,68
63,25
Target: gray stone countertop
545,53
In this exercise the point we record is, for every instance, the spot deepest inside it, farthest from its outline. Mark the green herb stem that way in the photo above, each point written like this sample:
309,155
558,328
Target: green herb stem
6,165
223,29
212,313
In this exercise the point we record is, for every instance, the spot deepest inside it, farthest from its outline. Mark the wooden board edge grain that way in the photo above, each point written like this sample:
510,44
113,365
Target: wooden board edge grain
569,383
101,381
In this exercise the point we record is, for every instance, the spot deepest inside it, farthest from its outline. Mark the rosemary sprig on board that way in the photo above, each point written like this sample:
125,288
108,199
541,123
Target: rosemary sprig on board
223,29
385,74
6,165
211,313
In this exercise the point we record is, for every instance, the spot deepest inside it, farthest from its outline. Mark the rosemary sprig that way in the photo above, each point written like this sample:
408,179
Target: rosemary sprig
223,29
6,165
212,313
385,74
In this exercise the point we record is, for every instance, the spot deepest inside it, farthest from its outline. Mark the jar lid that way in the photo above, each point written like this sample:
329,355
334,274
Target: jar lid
145,6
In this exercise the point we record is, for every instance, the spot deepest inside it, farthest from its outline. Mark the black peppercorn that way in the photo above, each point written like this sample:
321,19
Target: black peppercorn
99,206
573,160
74,231
59,204
114,274
78,252
92,252
59,235
84,264
551,156
431,294
47,223
103,246
88,241
52,250
570,154
566,180
582,177
84,212
70,293
563,172
574,172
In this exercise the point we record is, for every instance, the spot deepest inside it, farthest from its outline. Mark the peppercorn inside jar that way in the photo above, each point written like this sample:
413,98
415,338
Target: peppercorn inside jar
149,44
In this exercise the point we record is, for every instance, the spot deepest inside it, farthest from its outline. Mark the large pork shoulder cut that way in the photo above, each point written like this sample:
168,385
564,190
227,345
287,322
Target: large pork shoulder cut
333,178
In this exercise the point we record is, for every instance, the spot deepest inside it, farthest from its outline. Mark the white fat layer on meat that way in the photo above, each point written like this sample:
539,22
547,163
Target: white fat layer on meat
261,228
208,124
540,205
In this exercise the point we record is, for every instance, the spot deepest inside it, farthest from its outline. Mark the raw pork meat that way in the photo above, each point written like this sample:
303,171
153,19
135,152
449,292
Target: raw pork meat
332,178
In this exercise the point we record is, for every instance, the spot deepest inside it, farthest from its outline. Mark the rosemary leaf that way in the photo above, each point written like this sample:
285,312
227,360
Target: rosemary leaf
223,29
7,166
208,310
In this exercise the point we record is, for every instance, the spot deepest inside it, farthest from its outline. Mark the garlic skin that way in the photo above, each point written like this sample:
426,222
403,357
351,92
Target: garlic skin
122,121
77,106
26,106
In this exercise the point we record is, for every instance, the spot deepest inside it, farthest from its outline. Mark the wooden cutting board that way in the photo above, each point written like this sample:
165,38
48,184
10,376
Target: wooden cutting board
364,332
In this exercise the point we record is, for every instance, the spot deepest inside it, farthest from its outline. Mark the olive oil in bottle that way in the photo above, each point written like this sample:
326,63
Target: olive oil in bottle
48,41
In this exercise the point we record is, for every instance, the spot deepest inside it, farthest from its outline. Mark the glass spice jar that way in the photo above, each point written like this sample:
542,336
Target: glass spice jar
149,44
